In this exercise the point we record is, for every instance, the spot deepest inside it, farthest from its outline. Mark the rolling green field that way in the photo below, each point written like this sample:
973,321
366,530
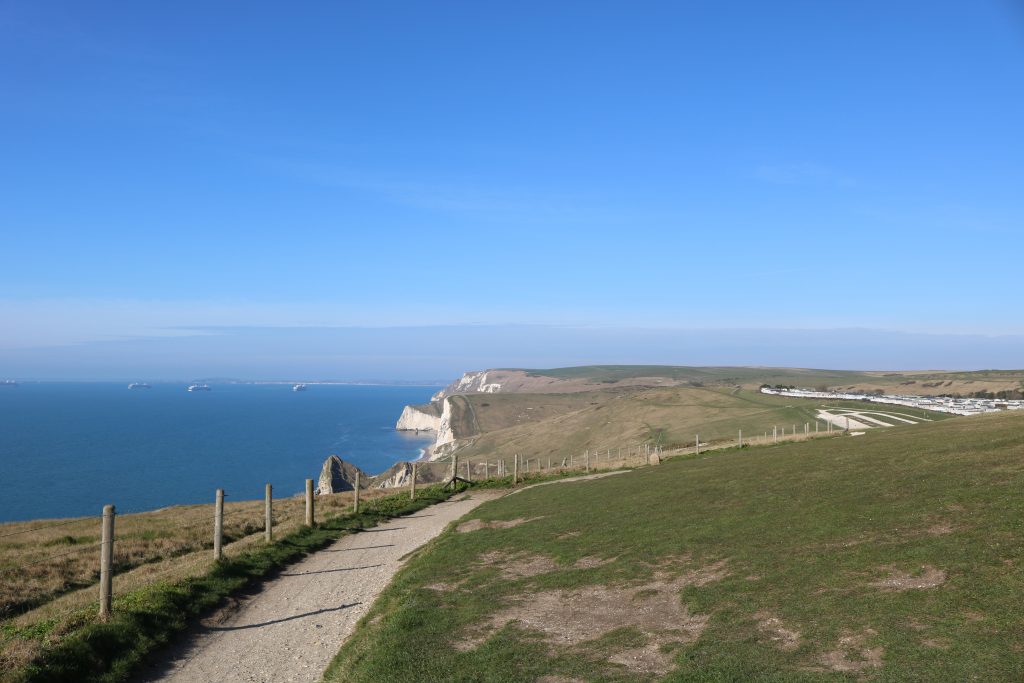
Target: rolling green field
896,555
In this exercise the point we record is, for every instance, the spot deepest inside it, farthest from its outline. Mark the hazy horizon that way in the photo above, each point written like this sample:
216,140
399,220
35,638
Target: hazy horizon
442,353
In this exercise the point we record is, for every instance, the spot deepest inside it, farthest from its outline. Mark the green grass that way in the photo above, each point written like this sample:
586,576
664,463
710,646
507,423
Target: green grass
146,619
804,531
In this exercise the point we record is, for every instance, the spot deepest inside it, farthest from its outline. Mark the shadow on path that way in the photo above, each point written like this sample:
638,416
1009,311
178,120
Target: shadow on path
331,571
283,619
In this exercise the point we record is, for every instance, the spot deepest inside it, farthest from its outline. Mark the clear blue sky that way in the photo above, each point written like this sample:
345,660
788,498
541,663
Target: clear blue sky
693,165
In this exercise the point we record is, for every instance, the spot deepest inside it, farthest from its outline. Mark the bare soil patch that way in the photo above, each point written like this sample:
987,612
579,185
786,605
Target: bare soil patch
591,562
569,618
897,580
648,659
853,654
518,565
477,524
772,626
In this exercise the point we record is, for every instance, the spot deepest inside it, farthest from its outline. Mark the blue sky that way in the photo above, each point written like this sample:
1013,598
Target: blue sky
183,171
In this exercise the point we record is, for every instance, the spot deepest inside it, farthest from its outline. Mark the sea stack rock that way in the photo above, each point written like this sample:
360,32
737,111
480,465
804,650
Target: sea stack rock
338,475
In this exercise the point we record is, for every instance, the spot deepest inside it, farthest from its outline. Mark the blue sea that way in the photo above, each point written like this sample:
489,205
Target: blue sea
67,449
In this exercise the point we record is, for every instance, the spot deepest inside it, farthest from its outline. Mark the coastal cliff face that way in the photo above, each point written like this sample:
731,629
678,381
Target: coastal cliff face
423,417
480,382
338,476
445,433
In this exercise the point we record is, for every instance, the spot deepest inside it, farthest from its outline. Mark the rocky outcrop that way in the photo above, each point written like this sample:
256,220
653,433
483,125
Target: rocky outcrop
337,476
422,417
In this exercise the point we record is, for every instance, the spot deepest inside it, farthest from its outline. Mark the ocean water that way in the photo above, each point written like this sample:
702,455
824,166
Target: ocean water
66,449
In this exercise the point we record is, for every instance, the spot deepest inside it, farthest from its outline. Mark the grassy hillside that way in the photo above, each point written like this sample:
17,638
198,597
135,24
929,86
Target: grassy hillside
610,374
897,555
542,425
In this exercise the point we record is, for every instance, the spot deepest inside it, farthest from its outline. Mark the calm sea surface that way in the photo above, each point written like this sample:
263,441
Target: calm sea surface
68,449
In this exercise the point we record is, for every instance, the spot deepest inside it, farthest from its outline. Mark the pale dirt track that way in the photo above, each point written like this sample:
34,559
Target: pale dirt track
294,625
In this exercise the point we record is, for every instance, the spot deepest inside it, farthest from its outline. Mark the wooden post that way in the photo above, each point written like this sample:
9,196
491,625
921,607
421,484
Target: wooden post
515,469
218,525
697,446
741,438
775,433
106,561
268,514
355,496
549,463
487,469
469,473
309,502
588,460
455,466
412,485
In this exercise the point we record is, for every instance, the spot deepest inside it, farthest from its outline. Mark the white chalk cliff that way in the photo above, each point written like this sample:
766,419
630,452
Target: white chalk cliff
419,418
469,383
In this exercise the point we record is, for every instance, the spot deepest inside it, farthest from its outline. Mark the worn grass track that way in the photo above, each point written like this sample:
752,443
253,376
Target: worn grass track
897,555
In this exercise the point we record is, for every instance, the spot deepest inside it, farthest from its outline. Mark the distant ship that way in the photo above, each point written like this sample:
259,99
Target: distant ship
199,387
139,385
8,383
299,387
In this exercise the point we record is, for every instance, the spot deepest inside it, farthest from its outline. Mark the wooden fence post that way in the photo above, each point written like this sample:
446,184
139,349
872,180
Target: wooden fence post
487,469
697,446
218,525
309,502
355,498
106,561
268,514
412,485
588,460
515,469
469,472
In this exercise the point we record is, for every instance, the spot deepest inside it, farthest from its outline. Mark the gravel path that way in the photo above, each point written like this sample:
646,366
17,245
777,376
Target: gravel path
292,628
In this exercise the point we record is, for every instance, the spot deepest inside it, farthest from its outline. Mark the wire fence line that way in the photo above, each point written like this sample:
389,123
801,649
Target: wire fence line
190,535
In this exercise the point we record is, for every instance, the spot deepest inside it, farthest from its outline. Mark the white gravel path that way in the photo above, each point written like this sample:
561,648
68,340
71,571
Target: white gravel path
291,629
